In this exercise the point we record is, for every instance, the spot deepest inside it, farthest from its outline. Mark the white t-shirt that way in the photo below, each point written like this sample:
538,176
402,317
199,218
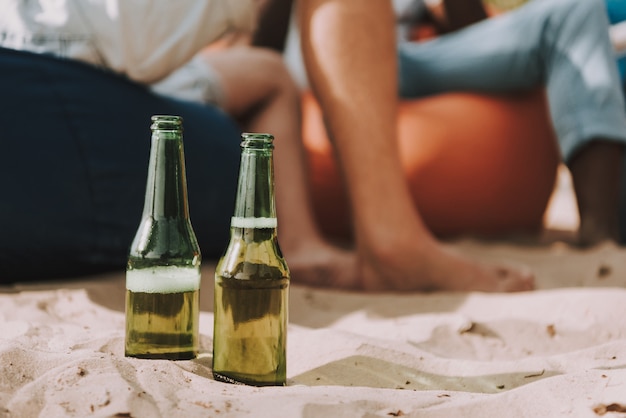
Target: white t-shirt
145,40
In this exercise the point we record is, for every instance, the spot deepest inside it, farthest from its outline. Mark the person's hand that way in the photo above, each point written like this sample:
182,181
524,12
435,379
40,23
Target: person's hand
617,34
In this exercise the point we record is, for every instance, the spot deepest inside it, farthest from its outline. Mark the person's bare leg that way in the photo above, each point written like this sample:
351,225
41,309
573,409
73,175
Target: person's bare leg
596,173
350,56
261,94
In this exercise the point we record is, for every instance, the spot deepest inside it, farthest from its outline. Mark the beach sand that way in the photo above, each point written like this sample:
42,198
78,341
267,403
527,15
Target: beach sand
557,351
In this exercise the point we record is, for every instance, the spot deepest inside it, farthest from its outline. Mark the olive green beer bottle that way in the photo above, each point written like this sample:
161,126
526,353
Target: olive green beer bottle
252,279
163,270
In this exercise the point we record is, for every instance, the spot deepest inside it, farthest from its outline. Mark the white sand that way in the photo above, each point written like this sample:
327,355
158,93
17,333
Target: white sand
557,351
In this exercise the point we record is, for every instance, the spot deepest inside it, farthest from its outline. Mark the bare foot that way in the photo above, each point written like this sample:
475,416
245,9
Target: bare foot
433,266
323,265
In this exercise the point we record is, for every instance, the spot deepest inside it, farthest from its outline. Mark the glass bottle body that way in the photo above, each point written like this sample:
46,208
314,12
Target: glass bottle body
252,284
163,270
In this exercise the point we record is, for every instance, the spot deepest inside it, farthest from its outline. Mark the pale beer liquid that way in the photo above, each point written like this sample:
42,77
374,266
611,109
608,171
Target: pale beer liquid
162,313
251,319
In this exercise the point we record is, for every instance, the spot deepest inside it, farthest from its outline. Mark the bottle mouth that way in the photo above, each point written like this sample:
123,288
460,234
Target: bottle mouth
261,141
166,123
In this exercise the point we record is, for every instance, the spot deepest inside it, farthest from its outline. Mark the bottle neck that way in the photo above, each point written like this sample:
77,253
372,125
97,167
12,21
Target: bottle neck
166,192
255,206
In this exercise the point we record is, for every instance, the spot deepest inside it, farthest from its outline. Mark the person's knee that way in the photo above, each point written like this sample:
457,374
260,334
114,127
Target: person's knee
584,11
273,66
568,19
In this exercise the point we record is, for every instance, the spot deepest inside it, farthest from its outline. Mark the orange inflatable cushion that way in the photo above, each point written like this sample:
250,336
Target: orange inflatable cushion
475,164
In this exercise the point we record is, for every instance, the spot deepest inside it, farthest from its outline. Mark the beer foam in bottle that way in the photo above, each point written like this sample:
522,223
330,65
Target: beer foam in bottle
163,279
253,223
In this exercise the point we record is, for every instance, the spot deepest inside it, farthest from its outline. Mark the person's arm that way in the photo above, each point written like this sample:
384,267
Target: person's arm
617,33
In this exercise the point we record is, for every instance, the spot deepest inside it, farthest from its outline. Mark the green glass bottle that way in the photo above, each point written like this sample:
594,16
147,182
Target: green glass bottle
163,271
252,279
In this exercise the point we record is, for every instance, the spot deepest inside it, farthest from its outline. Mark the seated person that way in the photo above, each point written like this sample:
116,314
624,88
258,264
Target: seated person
561,44
381,261
80,82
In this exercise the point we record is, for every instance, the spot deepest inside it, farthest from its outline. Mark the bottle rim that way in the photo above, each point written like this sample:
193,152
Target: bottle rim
253,140
166,123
